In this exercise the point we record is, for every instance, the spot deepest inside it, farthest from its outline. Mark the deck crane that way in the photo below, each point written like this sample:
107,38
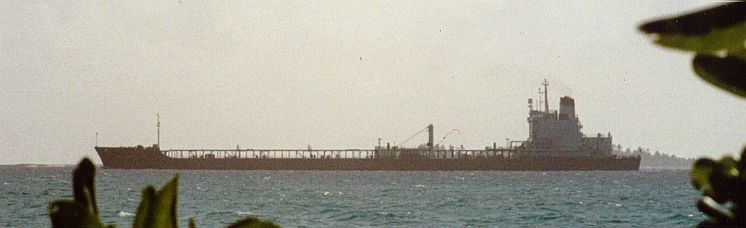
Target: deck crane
449,133
430,132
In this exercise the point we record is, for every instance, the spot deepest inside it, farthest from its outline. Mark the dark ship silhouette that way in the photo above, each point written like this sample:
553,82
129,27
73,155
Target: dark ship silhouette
555,142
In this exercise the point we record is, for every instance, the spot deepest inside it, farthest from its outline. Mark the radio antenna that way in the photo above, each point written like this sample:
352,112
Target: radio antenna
546,96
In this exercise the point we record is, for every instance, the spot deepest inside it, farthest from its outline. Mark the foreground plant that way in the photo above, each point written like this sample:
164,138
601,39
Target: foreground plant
156,209
717,37
722,182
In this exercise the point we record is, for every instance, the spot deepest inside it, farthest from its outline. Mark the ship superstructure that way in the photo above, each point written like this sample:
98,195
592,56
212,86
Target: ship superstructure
553,133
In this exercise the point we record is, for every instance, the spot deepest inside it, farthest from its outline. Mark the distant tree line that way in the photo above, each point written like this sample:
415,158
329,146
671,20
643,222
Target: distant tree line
655,159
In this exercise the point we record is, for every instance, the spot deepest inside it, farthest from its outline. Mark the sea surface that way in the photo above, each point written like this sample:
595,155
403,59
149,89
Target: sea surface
647,198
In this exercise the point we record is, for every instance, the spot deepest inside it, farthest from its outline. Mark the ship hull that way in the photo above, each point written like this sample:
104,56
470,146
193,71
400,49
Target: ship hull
149,158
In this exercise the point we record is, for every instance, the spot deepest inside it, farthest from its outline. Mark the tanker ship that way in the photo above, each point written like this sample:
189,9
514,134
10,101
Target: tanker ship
555,143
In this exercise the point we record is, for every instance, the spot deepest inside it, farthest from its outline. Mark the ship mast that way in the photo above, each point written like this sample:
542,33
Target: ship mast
538,107
158,126
546,96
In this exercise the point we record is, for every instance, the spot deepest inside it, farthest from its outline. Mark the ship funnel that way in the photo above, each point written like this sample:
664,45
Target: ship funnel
567,108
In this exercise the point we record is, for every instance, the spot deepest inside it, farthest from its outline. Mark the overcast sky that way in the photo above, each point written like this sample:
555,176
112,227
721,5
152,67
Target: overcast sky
341,74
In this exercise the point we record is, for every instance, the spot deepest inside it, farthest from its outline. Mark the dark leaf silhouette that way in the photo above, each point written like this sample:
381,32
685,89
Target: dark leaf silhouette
67,213
722,182
82,210
252,222
716,36
710,30
157,209
726,73
83,189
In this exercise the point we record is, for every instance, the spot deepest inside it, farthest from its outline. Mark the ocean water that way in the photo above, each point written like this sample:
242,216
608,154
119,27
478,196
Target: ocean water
648,198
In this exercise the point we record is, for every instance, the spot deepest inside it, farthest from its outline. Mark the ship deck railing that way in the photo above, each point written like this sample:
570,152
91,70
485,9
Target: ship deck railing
336,153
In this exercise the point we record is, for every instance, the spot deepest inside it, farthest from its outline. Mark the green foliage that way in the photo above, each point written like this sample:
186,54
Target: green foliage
722,182
82,210
716,36
252,222
157,209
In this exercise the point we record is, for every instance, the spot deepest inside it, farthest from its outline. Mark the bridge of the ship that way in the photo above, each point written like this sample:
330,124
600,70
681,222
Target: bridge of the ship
334,153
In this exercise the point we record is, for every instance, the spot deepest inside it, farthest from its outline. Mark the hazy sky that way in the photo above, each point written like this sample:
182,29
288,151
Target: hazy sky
341,74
